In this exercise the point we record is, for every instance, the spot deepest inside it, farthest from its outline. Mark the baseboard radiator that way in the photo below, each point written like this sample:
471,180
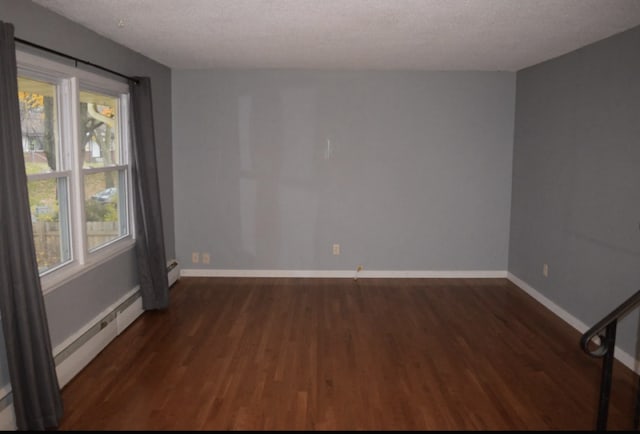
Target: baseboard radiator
173,271
76,352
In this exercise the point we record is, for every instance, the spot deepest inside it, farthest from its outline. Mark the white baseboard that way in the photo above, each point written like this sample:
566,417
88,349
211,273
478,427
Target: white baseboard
8,419
563,314
364,274
625,358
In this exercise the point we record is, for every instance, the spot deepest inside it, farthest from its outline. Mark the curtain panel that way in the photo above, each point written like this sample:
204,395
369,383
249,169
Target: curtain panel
36,394
152,262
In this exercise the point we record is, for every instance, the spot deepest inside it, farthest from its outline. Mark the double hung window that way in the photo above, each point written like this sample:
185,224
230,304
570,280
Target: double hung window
75,142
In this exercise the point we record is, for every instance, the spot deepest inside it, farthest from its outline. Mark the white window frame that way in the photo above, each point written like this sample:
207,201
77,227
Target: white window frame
69,82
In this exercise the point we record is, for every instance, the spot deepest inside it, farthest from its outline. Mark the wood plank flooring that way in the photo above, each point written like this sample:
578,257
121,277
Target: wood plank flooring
341,354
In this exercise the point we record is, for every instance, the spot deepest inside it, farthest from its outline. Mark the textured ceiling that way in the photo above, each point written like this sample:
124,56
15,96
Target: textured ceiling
502,35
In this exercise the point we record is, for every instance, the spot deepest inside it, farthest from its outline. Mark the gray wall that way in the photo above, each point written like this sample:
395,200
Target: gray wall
419,177
576,179
71,306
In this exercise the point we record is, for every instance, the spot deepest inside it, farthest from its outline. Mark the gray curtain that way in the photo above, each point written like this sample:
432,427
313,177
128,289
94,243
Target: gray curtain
152,262
36,393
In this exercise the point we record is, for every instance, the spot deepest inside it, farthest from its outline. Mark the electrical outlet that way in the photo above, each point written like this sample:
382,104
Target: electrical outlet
336,249
545,270
206,258
195,257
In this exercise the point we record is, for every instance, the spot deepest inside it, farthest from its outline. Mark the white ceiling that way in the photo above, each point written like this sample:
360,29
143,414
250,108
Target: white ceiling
504,35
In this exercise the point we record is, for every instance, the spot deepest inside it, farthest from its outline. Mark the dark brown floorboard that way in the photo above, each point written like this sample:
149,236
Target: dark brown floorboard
340,354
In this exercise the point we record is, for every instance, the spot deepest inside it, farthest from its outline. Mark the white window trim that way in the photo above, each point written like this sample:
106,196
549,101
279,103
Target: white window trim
70,80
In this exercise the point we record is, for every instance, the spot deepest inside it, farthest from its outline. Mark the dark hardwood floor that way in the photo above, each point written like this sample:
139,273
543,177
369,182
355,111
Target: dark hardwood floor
340,354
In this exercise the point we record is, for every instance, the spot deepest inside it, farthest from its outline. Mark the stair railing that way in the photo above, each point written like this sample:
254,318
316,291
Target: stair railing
600,341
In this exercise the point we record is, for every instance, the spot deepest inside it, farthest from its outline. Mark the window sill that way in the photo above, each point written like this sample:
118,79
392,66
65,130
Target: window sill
73,270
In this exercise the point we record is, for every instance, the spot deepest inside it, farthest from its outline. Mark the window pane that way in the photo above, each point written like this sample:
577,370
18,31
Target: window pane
38,118
105,207
98,130
48,199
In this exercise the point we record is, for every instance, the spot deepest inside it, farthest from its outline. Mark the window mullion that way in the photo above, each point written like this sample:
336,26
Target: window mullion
74,159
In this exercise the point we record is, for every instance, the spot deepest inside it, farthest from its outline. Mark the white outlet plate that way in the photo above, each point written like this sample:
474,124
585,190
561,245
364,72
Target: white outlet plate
336,249
195,257
206,258
545,270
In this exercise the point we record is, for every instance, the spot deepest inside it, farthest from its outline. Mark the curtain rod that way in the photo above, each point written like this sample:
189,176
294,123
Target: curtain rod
75,59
